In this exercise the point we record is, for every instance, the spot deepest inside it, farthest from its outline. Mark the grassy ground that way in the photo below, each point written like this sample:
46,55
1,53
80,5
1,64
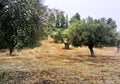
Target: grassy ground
51,64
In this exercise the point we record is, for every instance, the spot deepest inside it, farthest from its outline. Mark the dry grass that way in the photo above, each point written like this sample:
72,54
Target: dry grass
51,64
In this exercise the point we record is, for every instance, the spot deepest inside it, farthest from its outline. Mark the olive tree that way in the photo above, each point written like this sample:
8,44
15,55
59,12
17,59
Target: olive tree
92,32
21,23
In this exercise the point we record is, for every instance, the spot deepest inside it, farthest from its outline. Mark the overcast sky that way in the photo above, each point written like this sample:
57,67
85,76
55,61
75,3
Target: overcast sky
94,8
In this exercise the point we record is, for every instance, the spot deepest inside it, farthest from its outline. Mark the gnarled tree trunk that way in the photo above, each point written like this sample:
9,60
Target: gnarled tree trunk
92,52
11,48
66,45
90,46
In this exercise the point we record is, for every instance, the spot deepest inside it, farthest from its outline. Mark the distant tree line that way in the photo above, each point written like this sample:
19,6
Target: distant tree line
57,19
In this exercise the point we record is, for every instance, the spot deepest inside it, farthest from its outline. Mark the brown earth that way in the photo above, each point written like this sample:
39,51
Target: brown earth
51,64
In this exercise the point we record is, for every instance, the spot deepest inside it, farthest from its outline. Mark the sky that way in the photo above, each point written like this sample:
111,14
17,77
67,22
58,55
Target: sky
94,8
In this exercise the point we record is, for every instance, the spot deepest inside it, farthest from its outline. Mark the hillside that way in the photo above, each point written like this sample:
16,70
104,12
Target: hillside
51,64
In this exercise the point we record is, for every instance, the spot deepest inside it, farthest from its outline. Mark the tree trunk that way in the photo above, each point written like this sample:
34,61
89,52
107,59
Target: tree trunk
11,50
90,46
92,52
118,47
66,45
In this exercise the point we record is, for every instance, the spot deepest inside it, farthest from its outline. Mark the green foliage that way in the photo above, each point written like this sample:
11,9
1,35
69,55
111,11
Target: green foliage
51,20
60,20
106,32
66,21
75,17
57,19
100,32
76,32
21,23
3,73
92,32
118,36
56,24
57,35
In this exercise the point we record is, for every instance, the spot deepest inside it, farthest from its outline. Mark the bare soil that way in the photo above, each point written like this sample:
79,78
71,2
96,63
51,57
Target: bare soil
51,64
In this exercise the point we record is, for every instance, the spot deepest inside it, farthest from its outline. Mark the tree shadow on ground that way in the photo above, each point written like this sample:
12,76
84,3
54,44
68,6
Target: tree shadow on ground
88,58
